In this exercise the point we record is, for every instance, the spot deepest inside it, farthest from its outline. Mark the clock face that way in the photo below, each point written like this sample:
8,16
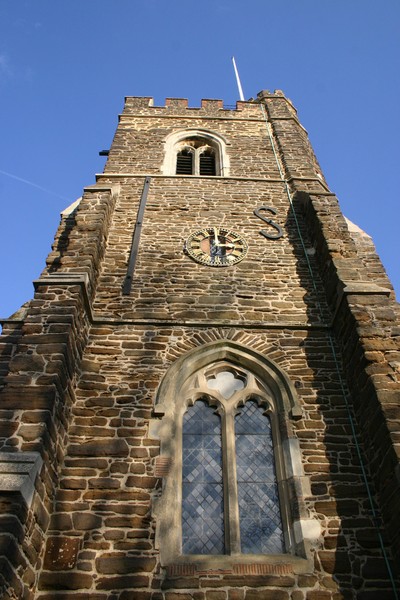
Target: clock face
216,247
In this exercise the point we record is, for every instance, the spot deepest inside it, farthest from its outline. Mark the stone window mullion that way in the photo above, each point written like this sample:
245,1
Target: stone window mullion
231,504
196,161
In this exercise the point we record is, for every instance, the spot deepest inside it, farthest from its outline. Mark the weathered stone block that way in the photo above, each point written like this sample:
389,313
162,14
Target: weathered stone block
335,562
100,447
266,594
121,564
61,553
61,521
177,596
75,596
123,582
61,580
86,521
38,397
216,595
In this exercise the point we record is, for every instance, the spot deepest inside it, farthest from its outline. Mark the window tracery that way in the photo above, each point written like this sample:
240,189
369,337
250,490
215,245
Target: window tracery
235,472
195,157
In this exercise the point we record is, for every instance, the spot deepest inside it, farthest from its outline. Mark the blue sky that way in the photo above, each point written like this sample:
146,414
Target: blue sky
65,68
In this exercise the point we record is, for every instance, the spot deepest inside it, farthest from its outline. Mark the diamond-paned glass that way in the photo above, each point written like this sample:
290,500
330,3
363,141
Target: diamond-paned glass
202,489
259,513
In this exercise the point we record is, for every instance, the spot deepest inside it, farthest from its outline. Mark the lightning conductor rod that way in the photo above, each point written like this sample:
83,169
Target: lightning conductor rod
241,96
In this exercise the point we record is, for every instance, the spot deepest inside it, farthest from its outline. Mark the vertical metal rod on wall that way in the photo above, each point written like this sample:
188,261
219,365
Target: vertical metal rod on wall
127,285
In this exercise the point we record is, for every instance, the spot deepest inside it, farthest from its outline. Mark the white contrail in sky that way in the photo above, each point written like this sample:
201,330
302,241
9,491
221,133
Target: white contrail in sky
39,187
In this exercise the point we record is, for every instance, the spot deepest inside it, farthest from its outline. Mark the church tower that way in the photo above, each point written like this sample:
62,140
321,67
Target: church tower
201,402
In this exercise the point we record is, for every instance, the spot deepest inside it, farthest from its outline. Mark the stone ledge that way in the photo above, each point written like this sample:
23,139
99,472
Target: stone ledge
359,288
59,278
65,278
68,278
364,287
18,471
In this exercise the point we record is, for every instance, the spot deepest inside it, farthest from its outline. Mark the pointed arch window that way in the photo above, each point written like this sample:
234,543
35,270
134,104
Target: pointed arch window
260,518
232,492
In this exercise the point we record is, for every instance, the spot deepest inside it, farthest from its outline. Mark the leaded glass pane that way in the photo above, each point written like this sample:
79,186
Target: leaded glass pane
260,519
202,490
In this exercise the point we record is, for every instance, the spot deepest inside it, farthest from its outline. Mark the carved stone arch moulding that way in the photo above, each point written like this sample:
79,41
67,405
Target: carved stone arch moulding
226,375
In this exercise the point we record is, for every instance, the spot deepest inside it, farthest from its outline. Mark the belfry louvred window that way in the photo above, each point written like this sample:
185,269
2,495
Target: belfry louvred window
207,163
230,500
196,157
184,162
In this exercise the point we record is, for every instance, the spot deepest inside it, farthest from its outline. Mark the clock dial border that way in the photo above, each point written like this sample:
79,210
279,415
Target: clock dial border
216,246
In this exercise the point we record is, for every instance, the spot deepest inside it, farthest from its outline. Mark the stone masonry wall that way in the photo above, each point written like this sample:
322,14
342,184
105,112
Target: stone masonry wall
272,284
103,511
139,143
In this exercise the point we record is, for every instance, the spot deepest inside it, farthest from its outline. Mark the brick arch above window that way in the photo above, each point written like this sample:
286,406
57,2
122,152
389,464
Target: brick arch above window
227,377
196,152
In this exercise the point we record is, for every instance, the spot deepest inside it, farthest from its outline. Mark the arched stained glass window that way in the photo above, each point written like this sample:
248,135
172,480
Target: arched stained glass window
202,487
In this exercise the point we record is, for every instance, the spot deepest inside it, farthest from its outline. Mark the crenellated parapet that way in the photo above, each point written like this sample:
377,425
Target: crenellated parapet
145,105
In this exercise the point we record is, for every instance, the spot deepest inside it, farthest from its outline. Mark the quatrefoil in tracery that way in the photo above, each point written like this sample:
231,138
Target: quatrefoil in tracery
225,383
